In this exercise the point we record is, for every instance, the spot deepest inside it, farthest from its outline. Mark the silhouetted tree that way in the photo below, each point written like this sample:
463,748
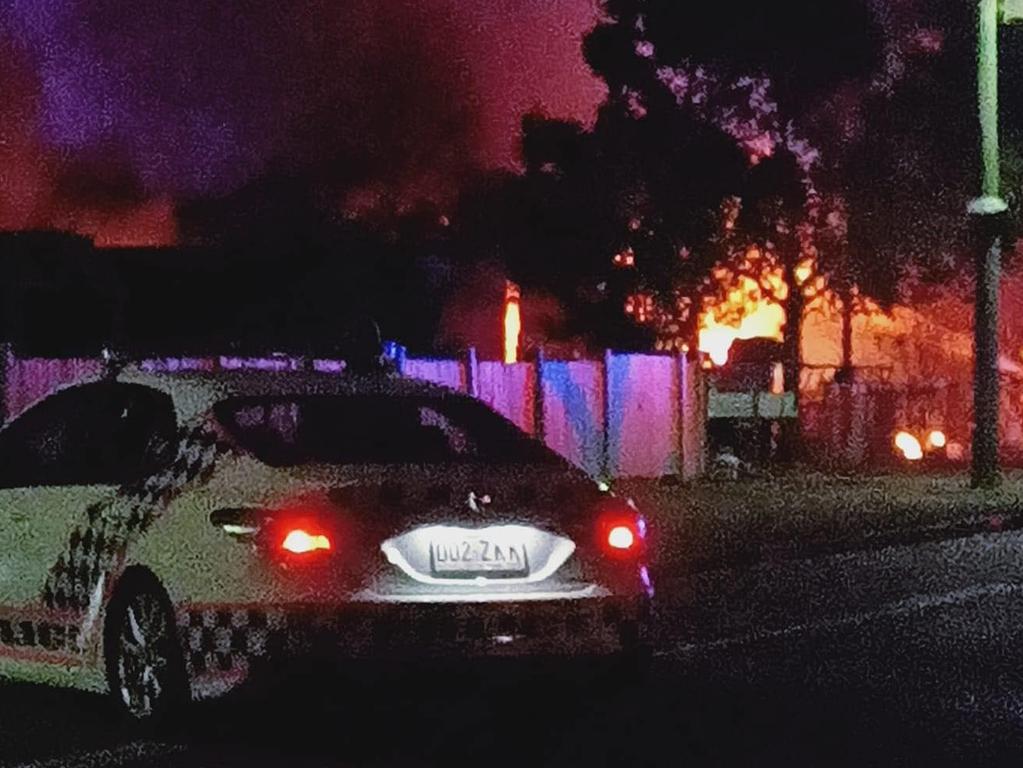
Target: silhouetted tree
695,124
605,218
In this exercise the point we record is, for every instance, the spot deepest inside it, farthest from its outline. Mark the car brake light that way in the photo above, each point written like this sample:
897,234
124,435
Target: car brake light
621,537
299,542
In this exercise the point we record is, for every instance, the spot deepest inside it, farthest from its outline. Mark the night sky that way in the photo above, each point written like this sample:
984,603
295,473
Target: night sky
112,109
115,111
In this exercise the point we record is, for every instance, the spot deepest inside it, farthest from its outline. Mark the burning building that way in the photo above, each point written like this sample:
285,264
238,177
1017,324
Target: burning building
910,393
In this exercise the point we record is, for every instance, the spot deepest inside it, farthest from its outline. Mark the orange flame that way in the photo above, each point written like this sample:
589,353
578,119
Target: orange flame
512,323
751,305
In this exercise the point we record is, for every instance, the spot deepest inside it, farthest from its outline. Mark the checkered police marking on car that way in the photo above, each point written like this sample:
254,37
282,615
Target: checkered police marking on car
97,547
39,635
222,639
246,602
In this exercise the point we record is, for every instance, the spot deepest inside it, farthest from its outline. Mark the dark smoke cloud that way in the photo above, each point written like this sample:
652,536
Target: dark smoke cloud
111,104
199,96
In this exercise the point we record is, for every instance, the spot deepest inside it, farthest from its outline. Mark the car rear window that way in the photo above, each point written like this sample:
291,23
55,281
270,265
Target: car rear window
359,429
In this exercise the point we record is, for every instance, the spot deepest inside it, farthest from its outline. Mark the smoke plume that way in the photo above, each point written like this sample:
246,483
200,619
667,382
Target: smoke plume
114,111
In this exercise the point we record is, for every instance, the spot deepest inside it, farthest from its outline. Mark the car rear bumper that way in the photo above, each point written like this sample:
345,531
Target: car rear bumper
227,646
528,628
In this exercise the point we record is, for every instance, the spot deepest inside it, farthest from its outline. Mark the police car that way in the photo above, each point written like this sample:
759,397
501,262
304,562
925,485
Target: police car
171,536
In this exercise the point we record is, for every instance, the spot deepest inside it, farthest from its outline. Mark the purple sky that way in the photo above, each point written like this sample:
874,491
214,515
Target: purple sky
195,97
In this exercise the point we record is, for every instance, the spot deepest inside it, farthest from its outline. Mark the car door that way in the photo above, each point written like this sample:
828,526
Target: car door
61,464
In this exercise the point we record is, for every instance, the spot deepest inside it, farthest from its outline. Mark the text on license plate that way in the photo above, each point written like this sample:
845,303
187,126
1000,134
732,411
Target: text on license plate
476,554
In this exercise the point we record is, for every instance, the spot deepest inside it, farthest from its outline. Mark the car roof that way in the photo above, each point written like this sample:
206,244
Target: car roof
195,392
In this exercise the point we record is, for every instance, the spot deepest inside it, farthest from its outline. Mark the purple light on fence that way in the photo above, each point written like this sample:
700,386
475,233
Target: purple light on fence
328,366
174,364
269,364
254,363
644,576
161,365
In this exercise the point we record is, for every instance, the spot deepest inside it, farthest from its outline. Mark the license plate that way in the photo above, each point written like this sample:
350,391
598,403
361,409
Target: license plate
477,555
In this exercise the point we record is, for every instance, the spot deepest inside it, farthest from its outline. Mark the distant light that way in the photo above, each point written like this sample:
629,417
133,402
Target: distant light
625,258
909,446
937,439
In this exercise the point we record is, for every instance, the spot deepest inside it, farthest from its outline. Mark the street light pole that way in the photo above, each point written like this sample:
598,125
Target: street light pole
987,95
988,214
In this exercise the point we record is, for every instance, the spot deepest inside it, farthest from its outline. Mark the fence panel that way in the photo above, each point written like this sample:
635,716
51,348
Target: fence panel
175,364
510,390
28,380
449,373
643,416
573,412
655,424
261,363
693,416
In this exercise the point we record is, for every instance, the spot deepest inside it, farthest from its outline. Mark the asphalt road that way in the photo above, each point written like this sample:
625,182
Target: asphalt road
906,656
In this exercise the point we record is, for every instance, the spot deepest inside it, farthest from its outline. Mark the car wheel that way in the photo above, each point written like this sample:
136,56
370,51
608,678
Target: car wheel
145,667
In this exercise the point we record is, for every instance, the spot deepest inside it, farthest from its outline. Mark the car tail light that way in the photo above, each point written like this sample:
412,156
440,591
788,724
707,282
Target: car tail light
299,541
621,535
298,530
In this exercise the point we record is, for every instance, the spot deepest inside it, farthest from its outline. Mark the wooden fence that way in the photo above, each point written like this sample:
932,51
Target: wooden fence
626,415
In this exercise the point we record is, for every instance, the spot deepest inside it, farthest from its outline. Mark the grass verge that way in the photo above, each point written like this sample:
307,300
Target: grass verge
708,524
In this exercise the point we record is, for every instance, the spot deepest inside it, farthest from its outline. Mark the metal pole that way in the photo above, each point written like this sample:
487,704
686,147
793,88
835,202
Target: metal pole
605,447
988,213
472,373
539,424
987,95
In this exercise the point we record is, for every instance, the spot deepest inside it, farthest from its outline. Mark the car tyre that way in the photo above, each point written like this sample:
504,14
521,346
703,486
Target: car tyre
145,667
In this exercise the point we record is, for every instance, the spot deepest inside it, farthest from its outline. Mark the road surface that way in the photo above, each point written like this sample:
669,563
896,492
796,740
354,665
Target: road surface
905,656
